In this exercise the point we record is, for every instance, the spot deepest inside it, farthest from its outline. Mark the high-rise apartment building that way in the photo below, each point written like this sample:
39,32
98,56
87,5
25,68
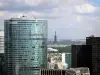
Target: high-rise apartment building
25,45
1,41
95,43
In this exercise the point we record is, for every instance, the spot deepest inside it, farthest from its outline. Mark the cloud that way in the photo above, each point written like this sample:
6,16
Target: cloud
26,5
42,8
82,19
17,14
35,5
40,2
32,14
77,18
74,2
1,4
1,13
85,8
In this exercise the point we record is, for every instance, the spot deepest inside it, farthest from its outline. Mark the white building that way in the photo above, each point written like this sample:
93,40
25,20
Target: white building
1,41
64,64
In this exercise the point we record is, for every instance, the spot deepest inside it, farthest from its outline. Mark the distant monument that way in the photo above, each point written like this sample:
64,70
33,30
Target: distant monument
55,38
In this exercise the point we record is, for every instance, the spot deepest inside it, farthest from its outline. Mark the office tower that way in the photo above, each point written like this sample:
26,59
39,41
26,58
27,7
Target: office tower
82,56
55,38
74,50
1,41
95,42
25,45
2,64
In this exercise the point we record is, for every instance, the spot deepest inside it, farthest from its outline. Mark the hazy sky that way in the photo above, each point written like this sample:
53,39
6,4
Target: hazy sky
72,19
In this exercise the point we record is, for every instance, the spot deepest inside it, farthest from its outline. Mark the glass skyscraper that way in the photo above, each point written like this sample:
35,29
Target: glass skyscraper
25,45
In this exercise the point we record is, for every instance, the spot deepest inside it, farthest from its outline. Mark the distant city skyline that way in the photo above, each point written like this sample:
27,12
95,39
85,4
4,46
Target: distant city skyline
71,19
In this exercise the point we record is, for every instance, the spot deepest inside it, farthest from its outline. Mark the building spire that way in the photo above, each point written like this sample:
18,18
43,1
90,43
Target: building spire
55,33
55,38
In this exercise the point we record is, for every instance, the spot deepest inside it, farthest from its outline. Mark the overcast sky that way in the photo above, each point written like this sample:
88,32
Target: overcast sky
72,19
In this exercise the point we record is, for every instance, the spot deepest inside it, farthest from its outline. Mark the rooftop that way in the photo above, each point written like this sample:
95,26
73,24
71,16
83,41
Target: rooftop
25,18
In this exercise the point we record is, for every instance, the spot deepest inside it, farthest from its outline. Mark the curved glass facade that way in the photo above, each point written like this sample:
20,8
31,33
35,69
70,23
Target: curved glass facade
25,46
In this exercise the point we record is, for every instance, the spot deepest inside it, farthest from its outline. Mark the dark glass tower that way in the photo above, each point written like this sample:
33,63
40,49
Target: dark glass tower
88,55
75,52
82,56
2,64
25,45
95,43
